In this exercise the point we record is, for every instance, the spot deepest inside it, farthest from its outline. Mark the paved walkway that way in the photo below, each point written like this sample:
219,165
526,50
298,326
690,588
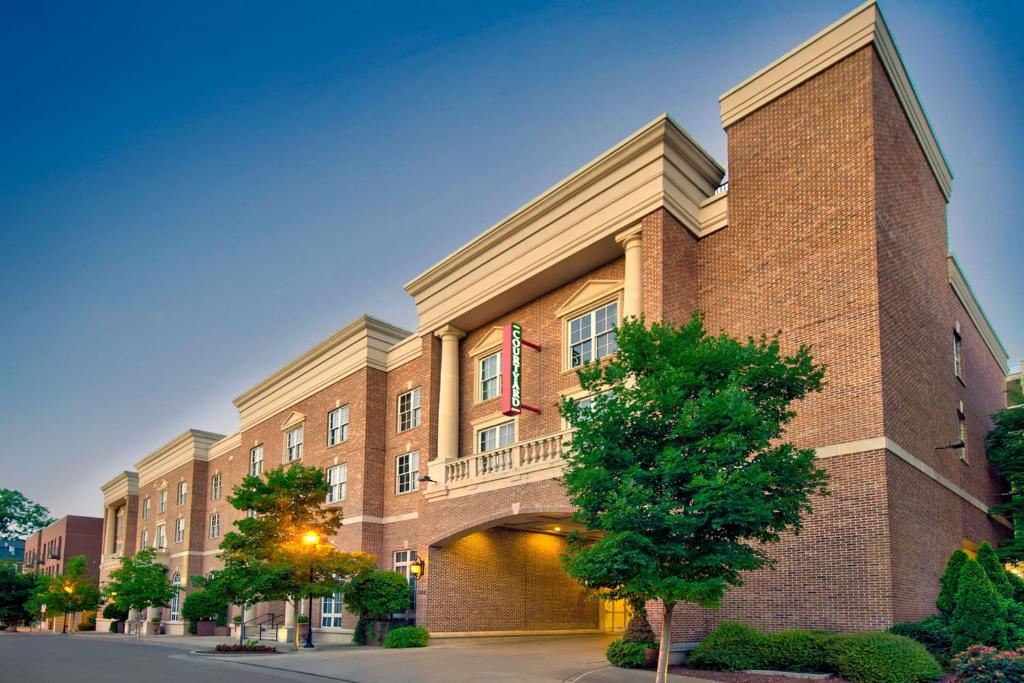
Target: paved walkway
550,659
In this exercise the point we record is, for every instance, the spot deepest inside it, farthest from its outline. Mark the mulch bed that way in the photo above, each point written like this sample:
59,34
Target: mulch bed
740,677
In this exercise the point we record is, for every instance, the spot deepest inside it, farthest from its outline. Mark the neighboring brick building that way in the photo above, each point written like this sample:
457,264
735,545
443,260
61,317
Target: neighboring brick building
831,230
47,550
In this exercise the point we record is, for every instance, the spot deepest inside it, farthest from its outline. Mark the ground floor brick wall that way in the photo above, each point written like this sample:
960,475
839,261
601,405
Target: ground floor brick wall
504,580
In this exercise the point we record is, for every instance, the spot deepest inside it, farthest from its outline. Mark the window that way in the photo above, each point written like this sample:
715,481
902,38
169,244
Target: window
251,514
961,432
256,461
490,376
161,537
404,558
179,530
337,479
182,489
295,444
145,508
409,410
176,598
498,436
215,487
215,525
592,335
330,611
337,426
144,543
958,359
161,501
407,472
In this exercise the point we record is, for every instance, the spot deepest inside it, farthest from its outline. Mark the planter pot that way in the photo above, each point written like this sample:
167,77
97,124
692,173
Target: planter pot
650,657
206,627
118,627
150,628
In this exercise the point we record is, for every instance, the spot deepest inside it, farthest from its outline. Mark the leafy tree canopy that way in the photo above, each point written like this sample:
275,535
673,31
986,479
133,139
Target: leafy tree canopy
680,464
377,594
20,517
16,591
140,582
1005,451
73,591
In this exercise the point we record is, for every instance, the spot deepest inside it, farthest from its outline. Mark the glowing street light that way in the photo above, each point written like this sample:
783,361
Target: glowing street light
310,538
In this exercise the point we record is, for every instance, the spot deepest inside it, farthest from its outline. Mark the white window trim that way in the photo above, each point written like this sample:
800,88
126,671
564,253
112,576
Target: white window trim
161,500
477,431
958,355
415,474
341,468
179,530
337,601
146,507
416,410
160,538
604,293
144,539
288,446
590,312
252,461
216,486
343,427
215,525
182,493
479,396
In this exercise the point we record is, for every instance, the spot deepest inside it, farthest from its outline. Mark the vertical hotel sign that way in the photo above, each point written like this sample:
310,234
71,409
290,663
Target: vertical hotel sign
512,344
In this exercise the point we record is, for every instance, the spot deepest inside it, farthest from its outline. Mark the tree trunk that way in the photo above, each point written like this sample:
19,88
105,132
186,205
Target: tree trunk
665,644
295,609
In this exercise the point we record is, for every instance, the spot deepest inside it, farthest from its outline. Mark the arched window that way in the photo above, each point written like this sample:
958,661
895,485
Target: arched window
176,600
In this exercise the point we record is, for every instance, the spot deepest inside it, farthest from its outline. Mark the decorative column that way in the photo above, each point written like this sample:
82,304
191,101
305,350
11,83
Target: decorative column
289,621
109,526
448,394
633,285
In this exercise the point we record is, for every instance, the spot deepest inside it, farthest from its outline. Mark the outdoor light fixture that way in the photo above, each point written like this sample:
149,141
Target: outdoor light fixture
557,528
311,538
959,443
426,479
417,568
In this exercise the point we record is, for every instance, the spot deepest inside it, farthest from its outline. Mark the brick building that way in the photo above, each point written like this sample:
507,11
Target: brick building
832,229
47,551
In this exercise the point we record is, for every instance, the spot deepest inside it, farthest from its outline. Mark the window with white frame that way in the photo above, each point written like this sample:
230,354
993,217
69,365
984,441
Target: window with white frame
161,537
182,490
256,461
215,525
337,426
176,598
161,500
958,358
294,440
179,530
490,376
497,436
592,335
331,608
407,472
961,432
144,543
145,507
403,560
215,487
337,482
409,410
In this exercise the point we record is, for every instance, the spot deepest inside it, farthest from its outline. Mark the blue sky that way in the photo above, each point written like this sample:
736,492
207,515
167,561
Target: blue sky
193,194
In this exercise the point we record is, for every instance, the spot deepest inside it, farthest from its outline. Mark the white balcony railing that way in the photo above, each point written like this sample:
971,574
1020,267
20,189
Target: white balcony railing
521,457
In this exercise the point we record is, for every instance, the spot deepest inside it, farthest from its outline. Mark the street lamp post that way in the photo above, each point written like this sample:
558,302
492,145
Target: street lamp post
69,589
311,539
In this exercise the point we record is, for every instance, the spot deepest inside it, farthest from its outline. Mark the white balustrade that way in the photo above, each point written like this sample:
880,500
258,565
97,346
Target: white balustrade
523,456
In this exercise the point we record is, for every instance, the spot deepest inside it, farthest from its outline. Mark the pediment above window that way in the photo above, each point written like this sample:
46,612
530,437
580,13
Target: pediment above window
590,294
489,342
294,420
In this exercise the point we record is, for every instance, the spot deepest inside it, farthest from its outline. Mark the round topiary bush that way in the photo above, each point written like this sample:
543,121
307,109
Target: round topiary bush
627,654
798,650
407,636
932,632
732,646
875,657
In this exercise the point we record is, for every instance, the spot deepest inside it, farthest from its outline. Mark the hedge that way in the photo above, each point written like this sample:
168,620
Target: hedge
870,657
932,632
407,636
627,654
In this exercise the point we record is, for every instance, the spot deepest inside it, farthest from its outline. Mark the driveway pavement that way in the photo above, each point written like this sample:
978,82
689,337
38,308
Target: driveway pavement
552,659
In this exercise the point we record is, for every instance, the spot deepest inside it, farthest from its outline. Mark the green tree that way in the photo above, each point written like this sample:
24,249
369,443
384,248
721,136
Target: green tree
282,550
16,591
949,582
140,582
71,592
375,595
979,617
989,561
19,516
203,605
681,465
1005,451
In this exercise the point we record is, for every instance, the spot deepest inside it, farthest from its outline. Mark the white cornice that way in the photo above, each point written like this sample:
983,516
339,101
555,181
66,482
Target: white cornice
570,228
364,342
124,484
225,445
861,27
404,351
191,445
964,292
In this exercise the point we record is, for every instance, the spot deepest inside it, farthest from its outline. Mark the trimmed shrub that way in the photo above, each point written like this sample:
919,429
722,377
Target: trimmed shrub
88,622
359,634
979,617
806,651
982,664
639,630
950,581
248,646
732,646
1018,586
302,619
115,611
377,593
875,657
407,636
627,654
1014,624
932,632
989,561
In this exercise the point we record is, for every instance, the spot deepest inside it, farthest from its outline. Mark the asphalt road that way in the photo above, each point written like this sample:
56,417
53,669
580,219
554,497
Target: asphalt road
46,658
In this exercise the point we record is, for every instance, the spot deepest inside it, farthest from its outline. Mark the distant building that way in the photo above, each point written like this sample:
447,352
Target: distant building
13,550
46,551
